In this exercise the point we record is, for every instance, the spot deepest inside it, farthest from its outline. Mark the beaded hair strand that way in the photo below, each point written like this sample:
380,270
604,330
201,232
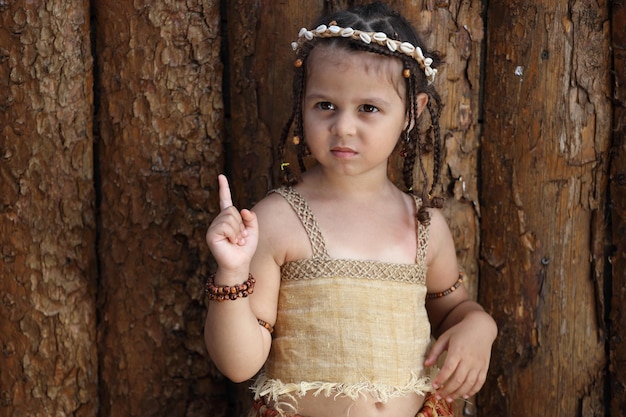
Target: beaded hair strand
409,146
368,22
295,122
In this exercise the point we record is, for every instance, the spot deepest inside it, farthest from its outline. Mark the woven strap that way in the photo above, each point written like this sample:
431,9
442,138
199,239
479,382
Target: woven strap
318,244
422,236
302,209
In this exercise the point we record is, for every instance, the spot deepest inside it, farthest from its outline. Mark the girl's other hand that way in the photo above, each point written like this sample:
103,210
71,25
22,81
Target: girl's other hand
468,345
233,235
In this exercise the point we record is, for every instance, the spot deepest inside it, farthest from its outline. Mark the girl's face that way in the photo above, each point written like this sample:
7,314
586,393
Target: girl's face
354,109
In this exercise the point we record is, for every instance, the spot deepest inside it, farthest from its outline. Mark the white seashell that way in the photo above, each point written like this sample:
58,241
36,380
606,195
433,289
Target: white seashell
302,32
419,53
407,48
392,45
430,74
321,29
308,34
380,36
365,37
347,32
294,45
334,29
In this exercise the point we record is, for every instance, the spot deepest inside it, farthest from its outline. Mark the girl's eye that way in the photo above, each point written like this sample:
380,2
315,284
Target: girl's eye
368,108
325,105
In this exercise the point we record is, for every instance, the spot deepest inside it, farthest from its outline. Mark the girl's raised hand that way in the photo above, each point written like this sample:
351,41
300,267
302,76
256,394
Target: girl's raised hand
233,235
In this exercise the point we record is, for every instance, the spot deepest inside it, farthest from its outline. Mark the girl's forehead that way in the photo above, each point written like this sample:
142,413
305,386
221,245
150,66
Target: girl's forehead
331,57
342,57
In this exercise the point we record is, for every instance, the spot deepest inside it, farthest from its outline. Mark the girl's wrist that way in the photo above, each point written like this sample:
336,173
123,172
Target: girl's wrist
485,320
225,276
228,292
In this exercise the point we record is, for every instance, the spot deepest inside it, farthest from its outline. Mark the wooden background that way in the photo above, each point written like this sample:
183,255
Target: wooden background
116,117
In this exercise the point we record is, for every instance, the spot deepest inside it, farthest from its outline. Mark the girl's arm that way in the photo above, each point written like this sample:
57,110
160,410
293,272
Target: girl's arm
461,326
236,342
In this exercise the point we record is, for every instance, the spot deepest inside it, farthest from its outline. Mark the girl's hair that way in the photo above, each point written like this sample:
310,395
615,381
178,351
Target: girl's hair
376,17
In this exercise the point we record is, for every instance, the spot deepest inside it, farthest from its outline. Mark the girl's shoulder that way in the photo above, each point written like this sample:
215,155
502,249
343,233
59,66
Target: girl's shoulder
437,219
273,207
280,230
439,235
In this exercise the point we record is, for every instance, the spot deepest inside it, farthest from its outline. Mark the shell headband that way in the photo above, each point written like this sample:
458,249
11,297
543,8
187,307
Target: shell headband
334,31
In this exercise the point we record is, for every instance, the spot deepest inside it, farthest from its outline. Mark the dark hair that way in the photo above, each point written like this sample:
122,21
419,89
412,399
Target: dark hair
376,17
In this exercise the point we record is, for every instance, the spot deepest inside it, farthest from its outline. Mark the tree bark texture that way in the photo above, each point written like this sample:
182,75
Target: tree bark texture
261,68
617,192
543,230
48,361
159,151
102,249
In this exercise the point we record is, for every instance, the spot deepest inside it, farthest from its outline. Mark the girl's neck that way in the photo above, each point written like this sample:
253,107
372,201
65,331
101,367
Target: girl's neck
317,182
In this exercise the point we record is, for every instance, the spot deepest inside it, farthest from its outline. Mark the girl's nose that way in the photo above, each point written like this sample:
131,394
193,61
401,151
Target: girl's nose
343,125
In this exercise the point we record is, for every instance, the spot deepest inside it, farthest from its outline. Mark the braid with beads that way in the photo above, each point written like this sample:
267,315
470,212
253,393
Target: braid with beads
377,17
295,121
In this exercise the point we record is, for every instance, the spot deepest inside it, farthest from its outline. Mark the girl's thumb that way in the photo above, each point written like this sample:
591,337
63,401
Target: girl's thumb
435,351
249,219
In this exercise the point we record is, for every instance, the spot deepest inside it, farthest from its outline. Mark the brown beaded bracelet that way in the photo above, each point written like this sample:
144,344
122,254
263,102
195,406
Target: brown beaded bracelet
227,292
265,324
457,284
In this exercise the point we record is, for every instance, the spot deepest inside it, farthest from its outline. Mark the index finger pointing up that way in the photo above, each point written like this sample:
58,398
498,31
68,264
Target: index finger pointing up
224,192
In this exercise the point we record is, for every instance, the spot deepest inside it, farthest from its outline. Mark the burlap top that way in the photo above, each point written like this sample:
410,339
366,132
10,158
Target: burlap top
347,327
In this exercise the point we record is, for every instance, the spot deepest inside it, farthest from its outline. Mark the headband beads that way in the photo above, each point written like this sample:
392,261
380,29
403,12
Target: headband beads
380,38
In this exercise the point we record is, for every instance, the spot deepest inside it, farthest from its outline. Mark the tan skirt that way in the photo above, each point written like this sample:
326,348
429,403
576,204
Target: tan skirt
431,408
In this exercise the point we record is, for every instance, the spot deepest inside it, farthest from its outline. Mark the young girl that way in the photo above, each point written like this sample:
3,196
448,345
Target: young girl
334,283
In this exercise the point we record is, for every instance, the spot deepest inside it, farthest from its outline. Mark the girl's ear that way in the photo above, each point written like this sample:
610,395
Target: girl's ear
421,100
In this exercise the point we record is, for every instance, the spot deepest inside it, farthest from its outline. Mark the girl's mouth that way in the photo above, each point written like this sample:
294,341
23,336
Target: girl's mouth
341,152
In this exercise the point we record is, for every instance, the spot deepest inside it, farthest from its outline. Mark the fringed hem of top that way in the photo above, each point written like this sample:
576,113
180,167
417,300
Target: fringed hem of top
285,395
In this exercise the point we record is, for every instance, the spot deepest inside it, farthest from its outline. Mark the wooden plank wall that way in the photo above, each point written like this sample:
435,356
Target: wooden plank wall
159,149
543,231
48,350
113,129
617,191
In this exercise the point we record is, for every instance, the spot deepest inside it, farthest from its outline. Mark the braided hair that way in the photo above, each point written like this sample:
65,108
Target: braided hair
376,17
